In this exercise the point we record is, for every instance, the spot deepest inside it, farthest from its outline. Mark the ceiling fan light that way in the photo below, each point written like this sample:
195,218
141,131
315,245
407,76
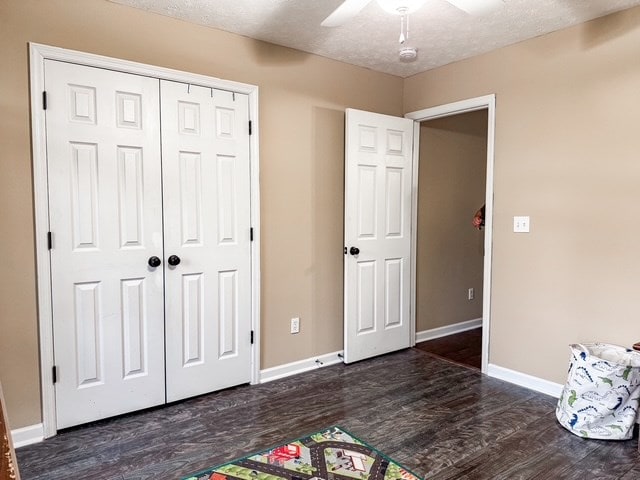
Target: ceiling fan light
408,54
400,7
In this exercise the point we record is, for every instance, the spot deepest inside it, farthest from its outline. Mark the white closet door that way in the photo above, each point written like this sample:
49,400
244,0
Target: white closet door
105,217
205,145
378,171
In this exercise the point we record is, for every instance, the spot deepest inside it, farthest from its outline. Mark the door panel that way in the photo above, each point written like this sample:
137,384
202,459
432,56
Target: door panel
104,194
109,195
378,170
207,193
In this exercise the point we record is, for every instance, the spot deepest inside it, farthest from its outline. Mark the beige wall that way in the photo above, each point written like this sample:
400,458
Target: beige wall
452,173
567,154
302,102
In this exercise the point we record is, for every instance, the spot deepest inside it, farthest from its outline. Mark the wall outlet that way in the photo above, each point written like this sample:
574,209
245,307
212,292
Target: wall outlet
471,294
295,325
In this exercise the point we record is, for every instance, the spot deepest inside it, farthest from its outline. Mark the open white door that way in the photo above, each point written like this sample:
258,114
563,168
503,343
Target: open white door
377,283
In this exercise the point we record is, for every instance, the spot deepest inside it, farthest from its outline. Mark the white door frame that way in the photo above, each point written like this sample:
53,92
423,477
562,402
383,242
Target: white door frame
470,105
38,54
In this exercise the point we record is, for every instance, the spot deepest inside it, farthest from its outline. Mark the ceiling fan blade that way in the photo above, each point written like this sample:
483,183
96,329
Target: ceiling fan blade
344,13
477,7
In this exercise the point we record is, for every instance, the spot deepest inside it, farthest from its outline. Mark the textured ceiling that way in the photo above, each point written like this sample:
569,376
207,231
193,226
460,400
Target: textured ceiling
442,33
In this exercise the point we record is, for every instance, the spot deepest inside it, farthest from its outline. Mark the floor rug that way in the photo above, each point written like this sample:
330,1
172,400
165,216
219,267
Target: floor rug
332,454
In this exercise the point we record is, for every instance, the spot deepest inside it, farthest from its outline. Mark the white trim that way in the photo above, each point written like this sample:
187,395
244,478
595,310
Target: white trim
27,435
38,54
41,52
524,380
447,330
454,108
254,157
301,366
488,231
479,103
414,233
43,267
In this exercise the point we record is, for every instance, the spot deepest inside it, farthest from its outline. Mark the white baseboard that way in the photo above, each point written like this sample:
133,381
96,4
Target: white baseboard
27,435
525,380
432,333
301,366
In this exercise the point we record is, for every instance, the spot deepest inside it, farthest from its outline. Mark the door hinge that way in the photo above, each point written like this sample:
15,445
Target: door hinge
251,337
49,241
54,373
251,234
250,127
44,100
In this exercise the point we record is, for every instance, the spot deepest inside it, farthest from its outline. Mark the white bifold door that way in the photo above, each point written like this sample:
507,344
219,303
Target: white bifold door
150,255
205,158
378,183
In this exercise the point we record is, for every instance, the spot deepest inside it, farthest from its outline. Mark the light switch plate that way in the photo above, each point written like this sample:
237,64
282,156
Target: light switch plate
521,224
295,325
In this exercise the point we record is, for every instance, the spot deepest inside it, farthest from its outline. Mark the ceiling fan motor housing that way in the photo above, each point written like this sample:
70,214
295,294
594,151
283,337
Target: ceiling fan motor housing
408,54
400,7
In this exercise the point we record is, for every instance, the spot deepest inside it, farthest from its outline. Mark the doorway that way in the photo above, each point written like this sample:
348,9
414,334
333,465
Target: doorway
450,251
369,133
467,126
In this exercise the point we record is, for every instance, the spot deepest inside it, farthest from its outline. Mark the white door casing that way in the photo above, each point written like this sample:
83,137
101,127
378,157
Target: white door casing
38,55
206,184
104,193
104,175
487,102
378,202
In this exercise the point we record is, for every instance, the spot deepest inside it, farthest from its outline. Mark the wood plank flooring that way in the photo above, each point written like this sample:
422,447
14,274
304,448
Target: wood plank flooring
441,420
464,348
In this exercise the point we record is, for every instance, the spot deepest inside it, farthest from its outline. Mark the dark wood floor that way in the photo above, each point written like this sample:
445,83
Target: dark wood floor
441,420
464,348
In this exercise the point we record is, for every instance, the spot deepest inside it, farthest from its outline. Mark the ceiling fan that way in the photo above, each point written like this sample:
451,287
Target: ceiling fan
350,8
